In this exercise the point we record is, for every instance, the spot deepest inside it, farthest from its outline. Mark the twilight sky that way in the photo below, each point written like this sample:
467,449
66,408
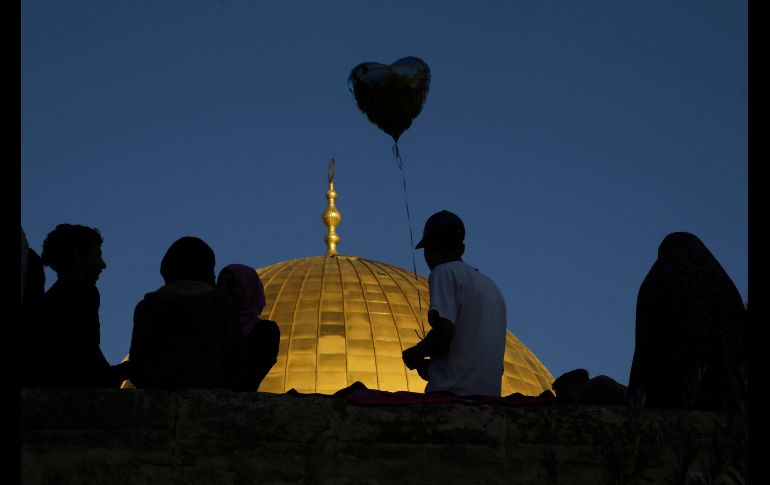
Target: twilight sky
571,137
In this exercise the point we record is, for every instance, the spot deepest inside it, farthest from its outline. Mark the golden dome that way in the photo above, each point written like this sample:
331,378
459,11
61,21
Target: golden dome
345,319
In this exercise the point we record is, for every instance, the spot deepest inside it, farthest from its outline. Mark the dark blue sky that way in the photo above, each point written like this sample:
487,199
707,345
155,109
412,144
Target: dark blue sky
571,137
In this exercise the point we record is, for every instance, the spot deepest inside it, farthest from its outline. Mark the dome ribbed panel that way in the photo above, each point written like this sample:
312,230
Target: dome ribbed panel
345,319
523,372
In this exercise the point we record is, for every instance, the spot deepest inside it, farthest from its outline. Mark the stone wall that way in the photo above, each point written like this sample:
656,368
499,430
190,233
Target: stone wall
219,437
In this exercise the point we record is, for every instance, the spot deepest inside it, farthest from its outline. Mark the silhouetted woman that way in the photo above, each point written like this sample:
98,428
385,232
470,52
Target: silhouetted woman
261,337
690,349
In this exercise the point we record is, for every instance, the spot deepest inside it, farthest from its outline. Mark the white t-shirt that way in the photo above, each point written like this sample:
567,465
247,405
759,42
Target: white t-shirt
473,303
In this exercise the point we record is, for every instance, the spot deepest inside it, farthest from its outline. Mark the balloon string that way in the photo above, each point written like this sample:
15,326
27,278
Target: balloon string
400,162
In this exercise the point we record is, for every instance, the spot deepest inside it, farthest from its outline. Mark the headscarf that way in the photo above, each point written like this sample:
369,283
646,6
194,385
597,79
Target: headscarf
253,294
690,343
189,258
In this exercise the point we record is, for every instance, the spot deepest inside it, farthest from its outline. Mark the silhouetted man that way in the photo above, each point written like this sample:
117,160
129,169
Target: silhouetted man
68,327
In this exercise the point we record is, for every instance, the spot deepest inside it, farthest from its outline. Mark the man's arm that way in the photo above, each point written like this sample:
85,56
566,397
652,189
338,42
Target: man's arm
435,344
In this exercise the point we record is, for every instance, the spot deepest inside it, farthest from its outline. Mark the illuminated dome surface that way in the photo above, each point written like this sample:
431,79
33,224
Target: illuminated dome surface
345,319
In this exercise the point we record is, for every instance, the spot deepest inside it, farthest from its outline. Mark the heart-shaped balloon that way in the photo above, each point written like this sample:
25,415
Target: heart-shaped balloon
391,96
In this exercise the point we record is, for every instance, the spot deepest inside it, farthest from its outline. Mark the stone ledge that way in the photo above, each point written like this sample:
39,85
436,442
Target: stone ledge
212,437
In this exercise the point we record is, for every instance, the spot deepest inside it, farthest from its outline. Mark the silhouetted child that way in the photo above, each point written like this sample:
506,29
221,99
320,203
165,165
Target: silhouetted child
187,333
261,337
68,324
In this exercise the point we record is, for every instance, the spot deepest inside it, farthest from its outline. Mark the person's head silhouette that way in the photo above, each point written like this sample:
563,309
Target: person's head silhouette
74,252
442,238
189,258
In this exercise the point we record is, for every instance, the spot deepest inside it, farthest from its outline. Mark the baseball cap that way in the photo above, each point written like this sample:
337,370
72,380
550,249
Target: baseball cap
441,228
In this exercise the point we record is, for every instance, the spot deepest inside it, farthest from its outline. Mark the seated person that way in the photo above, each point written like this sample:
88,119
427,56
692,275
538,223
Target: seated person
187,333
690,350
261,337
67,325
31,303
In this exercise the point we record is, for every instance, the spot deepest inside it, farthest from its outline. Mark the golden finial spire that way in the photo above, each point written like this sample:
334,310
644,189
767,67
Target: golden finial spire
331,216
